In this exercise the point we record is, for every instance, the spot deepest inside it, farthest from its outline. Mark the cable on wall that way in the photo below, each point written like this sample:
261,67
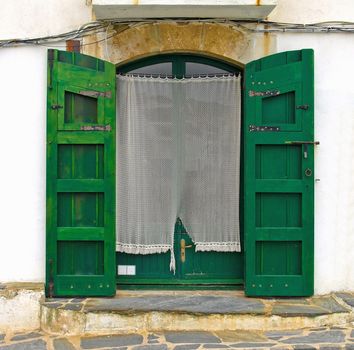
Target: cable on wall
255,26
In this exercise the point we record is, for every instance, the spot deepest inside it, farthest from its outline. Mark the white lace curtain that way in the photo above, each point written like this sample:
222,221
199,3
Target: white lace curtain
178,155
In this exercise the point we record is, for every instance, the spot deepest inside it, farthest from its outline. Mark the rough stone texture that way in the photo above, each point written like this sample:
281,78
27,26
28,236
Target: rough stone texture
317,337
240,336
38,344
329,303
20,309
151,347
347,297
352,334
111,340
215,39
301,339
25,336
191,337
62,344
287,300
281,334
2,336
53,305
215,346
198,304
297,310
77,300
252,345
74,307
186,347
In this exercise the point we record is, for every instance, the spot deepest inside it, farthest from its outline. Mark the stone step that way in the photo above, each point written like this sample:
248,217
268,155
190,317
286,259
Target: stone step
150,311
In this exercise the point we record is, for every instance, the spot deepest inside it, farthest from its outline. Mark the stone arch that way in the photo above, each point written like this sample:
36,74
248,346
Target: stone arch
219,40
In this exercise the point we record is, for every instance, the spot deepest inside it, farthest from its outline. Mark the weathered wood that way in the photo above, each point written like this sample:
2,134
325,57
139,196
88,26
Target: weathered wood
80,176
279,195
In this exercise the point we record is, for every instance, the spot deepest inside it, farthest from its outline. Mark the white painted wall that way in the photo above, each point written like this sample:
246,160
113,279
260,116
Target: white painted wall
23,130
334,128
22,147
334,162
33,18
22,134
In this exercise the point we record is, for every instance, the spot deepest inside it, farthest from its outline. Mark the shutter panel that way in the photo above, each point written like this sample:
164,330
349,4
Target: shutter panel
80,259
279,176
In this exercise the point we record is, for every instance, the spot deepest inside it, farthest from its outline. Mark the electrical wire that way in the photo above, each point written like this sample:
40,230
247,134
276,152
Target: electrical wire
255,26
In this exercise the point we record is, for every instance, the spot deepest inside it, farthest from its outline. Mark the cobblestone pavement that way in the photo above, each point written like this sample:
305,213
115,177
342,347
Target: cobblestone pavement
316,338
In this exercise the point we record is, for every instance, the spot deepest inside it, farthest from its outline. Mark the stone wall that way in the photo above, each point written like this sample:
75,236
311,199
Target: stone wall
224,41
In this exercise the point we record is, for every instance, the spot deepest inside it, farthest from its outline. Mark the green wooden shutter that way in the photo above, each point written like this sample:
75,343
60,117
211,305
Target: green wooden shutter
80,258
278,174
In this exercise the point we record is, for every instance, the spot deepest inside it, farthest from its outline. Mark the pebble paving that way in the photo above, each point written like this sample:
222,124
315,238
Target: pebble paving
322,338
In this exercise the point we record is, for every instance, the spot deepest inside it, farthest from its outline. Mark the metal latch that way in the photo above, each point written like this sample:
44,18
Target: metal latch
305,143
56,107
183,249
93,93
303,107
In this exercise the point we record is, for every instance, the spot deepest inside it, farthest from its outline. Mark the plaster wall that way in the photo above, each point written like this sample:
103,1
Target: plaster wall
22,145
23,115
34,18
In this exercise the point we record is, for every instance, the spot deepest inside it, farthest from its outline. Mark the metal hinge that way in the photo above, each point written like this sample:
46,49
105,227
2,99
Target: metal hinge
51,279
56,107
93,93
96,128
50,65
267,93
263,128
303,107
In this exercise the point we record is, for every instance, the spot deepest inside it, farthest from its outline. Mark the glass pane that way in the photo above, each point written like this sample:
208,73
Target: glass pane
164,68
193,68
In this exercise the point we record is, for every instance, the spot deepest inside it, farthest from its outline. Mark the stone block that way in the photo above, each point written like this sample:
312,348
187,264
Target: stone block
191,337
110,341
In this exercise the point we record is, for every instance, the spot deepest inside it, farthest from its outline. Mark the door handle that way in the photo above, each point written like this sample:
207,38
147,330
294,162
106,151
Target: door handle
183,249
305,143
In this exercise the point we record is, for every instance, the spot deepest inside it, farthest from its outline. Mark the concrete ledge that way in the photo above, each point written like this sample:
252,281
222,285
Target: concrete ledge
193,311
23,307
